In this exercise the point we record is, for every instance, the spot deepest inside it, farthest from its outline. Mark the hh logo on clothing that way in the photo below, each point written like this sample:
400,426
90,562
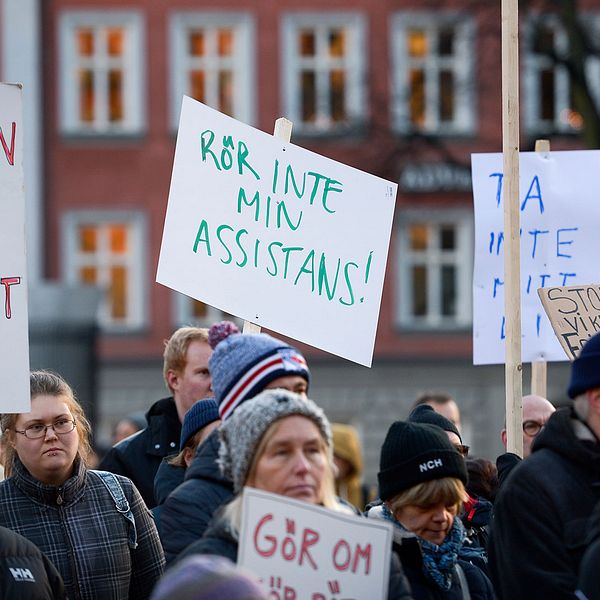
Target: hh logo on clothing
430,464
22,575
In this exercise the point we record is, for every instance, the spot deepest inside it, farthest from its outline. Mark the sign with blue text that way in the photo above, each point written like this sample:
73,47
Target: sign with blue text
559,216
275,234
14,332
302,551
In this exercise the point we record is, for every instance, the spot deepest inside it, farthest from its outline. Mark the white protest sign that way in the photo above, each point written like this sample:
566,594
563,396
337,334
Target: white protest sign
574,312
559,213
14,337
301,551
275,234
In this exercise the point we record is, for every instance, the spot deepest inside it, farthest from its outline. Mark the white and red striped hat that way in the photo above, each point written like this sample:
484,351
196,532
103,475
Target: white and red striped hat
242,365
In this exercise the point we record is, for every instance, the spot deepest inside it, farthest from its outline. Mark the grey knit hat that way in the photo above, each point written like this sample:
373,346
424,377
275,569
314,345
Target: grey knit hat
242,365
241,433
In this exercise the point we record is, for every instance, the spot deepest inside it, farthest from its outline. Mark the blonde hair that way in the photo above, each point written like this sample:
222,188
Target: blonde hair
448,491
47,383
174,355
232,512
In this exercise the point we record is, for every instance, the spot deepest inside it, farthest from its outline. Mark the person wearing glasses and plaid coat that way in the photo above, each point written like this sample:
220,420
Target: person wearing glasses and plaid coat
92,525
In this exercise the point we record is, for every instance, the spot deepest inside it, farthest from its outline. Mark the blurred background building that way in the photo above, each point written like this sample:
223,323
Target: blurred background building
405,90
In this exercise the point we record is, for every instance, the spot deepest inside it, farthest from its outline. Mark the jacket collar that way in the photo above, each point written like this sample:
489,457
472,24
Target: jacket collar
67,493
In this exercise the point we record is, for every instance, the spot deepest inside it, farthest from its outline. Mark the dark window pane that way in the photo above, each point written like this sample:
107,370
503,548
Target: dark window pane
88,275
448,299
118,292
308,96
118,239
447,237
225,42
446,42
547,107
419,291
543,41
199,309
85,42
87,239
337,95
114,41
446,96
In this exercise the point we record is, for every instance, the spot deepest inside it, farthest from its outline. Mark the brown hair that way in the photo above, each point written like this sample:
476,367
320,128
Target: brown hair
48,384
174,355
449,491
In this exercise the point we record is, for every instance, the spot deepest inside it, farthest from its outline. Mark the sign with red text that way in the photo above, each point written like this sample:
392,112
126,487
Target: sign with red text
574,312
276,235
14,336
301,551
559,216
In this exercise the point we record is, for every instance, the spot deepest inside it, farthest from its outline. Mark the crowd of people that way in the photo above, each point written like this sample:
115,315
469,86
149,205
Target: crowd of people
160,517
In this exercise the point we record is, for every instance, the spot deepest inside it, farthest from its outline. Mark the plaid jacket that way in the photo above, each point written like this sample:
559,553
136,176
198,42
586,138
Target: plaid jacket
78,527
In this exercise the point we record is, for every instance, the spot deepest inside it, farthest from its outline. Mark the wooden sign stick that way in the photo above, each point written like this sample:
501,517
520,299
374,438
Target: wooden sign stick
512,249
283,131
539,368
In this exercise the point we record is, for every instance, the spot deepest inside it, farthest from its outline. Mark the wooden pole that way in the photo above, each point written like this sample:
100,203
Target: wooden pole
283,131
539,368
512,247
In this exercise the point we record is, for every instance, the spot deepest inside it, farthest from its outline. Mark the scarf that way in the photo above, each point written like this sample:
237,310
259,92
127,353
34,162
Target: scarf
439,561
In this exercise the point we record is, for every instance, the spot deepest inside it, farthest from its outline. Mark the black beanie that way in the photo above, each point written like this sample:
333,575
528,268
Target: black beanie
414,453
424,413
585,369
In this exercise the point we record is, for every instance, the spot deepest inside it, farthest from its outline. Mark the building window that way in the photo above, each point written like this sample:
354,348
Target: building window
107,250
549,98
324,71
433,80
193,312
435,265
212,60
101,72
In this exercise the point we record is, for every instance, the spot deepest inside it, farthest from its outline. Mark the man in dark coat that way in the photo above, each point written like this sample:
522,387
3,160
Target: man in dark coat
25,571
241,367
186,374
540,515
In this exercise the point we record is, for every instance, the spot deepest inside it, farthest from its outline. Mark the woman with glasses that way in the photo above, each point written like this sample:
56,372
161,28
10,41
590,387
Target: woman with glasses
97,532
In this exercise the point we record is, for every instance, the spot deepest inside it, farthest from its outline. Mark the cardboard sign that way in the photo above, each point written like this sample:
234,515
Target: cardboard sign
574,312
275,234
305,552
14,336
559,213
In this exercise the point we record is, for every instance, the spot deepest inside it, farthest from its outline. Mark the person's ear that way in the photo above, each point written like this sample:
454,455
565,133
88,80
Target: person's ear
172,379
503,436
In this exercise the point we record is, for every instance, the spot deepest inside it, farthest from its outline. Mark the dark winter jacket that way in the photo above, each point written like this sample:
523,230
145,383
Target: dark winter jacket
220,539
505,463
78,527
168,477
588,585
139,456
476,517
406,547
25,572
189,508
538,532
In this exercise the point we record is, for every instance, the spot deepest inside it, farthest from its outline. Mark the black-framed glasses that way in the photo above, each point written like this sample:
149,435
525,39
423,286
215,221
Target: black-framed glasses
38,430
462,449
532,428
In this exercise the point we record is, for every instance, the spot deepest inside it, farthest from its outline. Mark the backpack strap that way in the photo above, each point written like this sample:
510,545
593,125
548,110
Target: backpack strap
462,578
121,504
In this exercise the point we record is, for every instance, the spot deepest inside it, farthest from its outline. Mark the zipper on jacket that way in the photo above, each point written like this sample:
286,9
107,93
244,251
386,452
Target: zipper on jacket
59,498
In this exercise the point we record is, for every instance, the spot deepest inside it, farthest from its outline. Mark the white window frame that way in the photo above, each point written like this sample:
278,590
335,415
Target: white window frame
182,313
465,119
353,62
461,258
242,63
533,63
134,88
135,262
